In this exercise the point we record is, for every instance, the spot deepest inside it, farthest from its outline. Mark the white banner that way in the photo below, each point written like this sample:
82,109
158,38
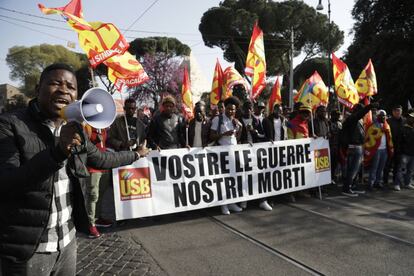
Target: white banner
179,180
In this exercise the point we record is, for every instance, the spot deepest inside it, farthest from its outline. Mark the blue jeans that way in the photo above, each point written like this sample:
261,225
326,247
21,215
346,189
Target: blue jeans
405,171
377,166
61,263
354,161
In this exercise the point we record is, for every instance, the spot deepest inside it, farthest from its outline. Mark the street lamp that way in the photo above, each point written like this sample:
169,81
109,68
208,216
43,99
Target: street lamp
319,7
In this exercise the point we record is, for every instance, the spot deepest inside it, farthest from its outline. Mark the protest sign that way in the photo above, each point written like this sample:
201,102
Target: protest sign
179,180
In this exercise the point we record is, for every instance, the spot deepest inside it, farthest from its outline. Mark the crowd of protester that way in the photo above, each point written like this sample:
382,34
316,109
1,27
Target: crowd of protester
232,122
42,158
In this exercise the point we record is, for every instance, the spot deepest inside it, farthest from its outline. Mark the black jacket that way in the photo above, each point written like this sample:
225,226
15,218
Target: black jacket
257,126
166,132
320,128
396,126
29,163
406,140
205,132
269,128
117,134
353,129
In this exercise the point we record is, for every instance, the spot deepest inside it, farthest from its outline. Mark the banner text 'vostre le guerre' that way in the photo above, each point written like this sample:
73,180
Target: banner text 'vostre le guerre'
217,164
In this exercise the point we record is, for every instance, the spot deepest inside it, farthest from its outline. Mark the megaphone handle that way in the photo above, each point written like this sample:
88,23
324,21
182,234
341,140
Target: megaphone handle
81,133
73,150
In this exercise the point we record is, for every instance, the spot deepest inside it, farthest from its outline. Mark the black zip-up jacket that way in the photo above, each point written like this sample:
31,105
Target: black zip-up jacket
29,163
269,128
354,128
166,132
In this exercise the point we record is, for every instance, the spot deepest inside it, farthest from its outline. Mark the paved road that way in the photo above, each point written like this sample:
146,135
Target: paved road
368,235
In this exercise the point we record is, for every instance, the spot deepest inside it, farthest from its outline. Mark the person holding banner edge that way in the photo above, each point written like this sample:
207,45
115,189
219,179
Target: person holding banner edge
249,135
127,132
42,164
167,128
226,130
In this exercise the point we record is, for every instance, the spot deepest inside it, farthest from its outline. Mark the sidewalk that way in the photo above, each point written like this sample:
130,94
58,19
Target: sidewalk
112,254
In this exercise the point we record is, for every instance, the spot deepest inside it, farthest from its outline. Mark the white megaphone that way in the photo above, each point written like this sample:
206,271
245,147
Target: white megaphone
96,108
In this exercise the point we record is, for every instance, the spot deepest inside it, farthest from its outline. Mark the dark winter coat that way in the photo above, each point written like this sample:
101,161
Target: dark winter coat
29,163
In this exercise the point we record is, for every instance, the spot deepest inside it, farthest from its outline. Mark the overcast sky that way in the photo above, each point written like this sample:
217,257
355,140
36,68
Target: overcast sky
175,18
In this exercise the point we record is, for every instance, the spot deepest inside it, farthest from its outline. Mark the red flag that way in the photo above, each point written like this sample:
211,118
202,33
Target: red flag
275,97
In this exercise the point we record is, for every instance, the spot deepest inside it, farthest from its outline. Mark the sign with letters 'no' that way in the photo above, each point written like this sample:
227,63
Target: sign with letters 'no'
180,180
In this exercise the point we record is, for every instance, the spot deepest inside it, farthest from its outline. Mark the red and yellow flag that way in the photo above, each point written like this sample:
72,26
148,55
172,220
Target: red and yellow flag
313,92
125,64
231,78
366,84
120,80
72,13
217,86
187,98
256,62
275,97
74,7
367,121
344,85
102,42
373,136
125,70
99,41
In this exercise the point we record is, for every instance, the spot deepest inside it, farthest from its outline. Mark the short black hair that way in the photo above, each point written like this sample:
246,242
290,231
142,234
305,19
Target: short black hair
201,102
53,67
320,107
232,100
247,105
297,105
129,100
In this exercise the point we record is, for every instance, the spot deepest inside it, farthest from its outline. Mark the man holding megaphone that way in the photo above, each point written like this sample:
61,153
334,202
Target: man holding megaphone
43,160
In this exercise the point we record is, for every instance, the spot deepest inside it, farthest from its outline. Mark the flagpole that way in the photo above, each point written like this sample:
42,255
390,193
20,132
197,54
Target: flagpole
291,70
186,135
126,123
